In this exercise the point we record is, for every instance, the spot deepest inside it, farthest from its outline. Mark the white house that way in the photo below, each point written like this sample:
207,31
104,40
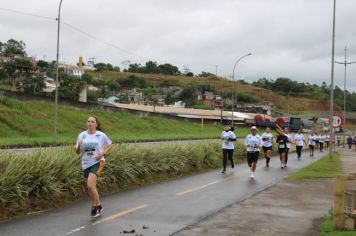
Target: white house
112,99
50,85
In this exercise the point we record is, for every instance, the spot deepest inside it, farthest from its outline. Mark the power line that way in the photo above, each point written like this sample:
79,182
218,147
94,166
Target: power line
75,29
27,14
104,42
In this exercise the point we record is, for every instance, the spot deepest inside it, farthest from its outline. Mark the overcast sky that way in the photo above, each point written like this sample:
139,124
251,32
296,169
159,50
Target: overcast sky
287,38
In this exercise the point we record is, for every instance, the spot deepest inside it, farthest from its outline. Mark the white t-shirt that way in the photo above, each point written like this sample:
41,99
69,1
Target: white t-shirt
253,142
327,138
289,140
321,138
226,136
311,140
267,139
92,145
299,139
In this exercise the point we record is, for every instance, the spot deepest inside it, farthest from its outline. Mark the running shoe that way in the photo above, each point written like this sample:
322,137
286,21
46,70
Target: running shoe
223,171
252,176
99,209
93,212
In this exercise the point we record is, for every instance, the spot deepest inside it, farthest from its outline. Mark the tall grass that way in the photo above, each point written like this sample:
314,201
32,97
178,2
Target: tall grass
50,177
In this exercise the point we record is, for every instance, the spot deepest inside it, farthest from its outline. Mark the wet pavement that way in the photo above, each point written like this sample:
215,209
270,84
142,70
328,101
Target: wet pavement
165,208
292,207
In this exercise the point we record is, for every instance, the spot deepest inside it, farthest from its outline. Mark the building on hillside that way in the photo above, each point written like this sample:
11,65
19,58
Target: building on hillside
209,99
160,99
179,104
267,108
72,70
111,100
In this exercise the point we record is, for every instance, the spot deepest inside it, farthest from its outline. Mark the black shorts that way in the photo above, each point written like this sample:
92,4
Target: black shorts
282,150
265,149
311,147
252,157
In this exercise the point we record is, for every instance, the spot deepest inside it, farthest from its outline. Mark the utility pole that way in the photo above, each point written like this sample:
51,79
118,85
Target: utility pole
331,128
345,63
57,58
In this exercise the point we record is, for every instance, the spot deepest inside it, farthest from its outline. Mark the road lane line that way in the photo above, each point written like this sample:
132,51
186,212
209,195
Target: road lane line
120,214
203,186
75,230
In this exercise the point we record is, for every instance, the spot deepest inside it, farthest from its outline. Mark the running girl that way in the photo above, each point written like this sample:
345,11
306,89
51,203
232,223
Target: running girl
228,137
282,141
311,143
267,138
299,143
93,145
253,142
289,140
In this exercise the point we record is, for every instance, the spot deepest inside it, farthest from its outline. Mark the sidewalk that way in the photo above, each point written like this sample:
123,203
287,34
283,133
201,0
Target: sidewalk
288,208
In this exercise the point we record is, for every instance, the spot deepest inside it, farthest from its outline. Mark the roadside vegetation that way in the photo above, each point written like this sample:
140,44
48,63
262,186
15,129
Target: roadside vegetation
50,178
323,168
327,228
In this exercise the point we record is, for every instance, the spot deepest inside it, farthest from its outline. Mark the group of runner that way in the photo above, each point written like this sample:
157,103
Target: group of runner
320,142
254,142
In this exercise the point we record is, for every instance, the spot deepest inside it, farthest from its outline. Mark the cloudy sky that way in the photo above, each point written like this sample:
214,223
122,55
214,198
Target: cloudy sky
287,38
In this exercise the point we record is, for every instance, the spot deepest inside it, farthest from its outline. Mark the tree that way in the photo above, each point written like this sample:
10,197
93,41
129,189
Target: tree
114,86
168,69
13,47
34,85
43,65
205,74
189,74
169,98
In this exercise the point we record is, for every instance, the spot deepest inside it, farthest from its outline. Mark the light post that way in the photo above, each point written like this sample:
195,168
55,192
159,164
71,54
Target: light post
331,129
345,63
57,57
233,81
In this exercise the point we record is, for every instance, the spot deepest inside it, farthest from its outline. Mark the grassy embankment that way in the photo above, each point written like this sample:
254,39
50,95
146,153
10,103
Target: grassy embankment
31,123
323,168
50,178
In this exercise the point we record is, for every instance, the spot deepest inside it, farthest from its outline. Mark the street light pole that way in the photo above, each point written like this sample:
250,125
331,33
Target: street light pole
57,58
233,81
331,129
345,63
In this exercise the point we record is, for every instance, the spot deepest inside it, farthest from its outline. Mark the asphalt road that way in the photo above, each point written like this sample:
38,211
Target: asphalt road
158,209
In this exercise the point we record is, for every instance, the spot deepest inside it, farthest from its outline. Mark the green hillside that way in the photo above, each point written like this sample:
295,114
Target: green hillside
31,123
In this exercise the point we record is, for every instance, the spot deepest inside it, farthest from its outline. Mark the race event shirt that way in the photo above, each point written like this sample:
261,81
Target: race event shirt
267,139
289,139
322,139
282,141
299,139
311,140
92,145
253,142
226,137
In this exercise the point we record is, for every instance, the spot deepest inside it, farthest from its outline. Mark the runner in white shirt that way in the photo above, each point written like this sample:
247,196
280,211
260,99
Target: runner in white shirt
321,142
228,138
253,142
327,141
267,139
289,140
311,143
299,143
93,145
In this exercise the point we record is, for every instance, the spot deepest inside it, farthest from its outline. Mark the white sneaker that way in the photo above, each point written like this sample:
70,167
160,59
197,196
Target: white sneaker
252,176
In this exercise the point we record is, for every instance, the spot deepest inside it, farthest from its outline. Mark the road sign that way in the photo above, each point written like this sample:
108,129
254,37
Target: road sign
337,121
